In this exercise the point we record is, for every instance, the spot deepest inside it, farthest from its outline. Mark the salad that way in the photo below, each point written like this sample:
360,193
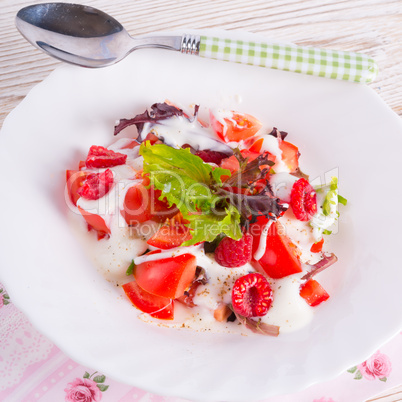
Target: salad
209,225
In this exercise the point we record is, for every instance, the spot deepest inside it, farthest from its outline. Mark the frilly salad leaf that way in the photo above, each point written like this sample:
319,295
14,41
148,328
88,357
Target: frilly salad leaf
258,203
253,206
189,183
158,112
249,172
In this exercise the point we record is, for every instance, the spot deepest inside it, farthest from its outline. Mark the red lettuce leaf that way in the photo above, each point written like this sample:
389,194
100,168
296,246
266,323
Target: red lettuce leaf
158,112
326,262
279,134
254,204
258,327
249,172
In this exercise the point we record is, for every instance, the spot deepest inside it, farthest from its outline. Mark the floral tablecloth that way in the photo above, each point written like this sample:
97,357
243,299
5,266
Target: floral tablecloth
32,369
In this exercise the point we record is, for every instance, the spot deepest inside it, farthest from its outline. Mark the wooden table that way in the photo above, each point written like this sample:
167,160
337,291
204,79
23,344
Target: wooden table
368,26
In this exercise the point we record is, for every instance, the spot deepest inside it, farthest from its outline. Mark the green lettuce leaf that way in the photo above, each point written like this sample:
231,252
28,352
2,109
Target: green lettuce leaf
342,200
331,198
207,227
189,183
183,178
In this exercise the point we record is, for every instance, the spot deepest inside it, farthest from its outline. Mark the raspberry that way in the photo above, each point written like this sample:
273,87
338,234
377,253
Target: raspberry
251,295
209,156
101,157
234,253
96,185
303,200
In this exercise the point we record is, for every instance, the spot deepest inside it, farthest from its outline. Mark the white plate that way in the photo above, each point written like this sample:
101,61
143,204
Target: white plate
335,124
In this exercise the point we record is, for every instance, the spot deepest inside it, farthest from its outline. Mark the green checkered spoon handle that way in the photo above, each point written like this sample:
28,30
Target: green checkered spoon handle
335,64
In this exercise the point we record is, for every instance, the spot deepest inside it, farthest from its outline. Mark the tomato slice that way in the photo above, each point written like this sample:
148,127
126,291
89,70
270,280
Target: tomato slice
281,257
152,138
74,181
155,306
137,205
290,155
313,293
142,204
95,221
160,208
167,277
239,126
170,236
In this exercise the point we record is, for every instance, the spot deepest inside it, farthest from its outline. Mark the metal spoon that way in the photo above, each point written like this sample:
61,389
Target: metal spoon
89,37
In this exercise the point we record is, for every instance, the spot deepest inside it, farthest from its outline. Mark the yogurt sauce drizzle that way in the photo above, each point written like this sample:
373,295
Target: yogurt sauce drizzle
263,241
178,131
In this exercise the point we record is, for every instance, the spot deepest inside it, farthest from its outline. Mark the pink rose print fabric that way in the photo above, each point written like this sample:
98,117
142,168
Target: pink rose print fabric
86,389
82,390
378,366
4,298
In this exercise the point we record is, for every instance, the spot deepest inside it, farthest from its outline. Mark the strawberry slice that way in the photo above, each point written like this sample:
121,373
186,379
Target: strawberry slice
303,200
96,185
101,157
313,293
317,247
251,295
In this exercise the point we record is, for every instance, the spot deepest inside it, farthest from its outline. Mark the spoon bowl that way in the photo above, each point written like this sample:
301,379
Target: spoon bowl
81,34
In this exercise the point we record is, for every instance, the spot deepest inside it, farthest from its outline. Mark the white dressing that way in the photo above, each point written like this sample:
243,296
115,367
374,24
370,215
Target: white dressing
281,184
288,310
263,241
271,144
178,131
